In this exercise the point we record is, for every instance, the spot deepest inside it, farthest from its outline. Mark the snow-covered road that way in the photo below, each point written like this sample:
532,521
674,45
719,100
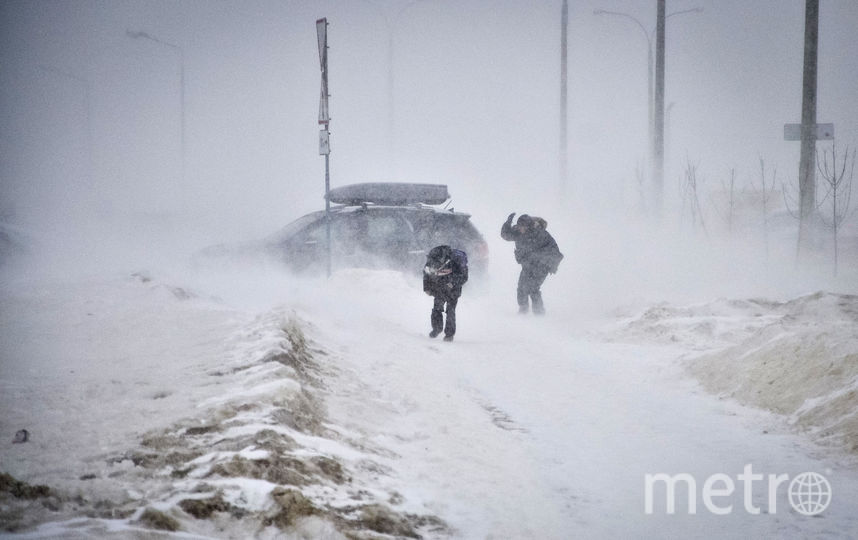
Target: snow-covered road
523,427
527,428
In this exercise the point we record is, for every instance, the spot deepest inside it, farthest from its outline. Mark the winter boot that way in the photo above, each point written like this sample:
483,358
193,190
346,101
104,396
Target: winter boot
538,306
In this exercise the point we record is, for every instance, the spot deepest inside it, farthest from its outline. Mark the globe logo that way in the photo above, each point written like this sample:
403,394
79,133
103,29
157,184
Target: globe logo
809,493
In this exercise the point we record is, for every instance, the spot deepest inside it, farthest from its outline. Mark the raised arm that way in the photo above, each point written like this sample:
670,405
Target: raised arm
507,231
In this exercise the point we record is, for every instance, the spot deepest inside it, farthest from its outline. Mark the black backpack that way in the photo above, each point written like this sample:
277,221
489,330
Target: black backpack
460,258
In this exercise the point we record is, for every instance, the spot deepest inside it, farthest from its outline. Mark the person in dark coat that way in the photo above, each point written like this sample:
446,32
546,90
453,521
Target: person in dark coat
537,253
445,272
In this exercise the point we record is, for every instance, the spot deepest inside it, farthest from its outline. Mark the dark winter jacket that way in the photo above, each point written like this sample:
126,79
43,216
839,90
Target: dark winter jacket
444,273
533,246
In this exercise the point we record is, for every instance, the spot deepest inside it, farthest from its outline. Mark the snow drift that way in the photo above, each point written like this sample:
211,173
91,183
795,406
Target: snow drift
151,406
797,358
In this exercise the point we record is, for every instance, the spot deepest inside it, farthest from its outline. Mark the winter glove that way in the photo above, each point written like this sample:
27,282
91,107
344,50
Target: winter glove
509,218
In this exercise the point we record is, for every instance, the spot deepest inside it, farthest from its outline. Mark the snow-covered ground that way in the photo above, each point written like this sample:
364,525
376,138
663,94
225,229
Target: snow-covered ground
255,405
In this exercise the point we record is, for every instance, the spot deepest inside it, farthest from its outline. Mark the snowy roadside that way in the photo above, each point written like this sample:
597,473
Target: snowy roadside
149,407
797,358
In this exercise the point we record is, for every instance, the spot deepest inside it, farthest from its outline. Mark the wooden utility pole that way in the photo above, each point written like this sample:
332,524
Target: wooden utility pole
807,162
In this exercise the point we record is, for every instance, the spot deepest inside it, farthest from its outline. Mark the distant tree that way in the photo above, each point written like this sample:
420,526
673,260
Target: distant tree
839,189
766,191
690,198
728,213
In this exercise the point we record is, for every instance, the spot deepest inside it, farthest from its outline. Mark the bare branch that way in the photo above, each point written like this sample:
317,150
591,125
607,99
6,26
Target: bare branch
794,214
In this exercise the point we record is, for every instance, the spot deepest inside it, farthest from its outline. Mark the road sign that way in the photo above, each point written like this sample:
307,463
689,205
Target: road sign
324,115
824,132
322,37
324,142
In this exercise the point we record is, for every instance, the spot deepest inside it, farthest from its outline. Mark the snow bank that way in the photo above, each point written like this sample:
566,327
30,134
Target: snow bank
797,358
151,406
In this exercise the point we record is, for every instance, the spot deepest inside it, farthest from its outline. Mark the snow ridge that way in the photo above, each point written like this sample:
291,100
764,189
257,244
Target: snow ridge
797,358
254,455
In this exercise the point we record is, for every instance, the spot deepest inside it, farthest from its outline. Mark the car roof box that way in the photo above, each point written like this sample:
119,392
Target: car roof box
389,193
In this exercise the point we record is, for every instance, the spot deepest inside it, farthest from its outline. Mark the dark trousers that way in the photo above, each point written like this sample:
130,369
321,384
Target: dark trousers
438,318
529,281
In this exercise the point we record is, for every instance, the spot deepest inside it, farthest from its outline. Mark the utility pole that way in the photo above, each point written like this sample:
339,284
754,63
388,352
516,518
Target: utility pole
658,142
807,162
564,27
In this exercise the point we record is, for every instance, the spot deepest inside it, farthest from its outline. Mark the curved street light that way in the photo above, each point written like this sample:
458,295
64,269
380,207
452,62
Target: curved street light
650,71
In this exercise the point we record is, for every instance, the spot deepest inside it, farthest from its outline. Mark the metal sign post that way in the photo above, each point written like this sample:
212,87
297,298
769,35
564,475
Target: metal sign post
324,134
824,132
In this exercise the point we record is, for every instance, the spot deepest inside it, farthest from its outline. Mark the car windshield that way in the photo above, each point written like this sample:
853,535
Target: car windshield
292,228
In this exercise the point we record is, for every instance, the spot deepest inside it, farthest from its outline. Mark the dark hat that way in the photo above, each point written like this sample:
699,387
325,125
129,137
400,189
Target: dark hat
439,254
524,219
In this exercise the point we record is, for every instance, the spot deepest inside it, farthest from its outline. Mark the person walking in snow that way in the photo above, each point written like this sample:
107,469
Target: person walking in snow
445,272
537,253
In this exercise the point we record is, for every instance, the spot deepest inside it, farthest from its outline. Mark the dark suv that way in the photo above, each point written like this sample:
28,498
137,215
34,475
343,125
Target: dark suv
379,225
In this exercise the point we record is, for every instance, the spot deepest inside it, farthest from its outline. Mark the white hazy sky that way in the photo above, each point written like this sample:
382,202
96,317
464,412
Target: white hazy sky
89,118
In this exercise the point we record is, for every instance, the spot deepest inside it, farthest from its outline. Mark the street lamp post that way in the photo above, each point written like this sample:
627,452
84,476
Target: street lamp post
145,35
649,72
658,107
564,110
653,146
